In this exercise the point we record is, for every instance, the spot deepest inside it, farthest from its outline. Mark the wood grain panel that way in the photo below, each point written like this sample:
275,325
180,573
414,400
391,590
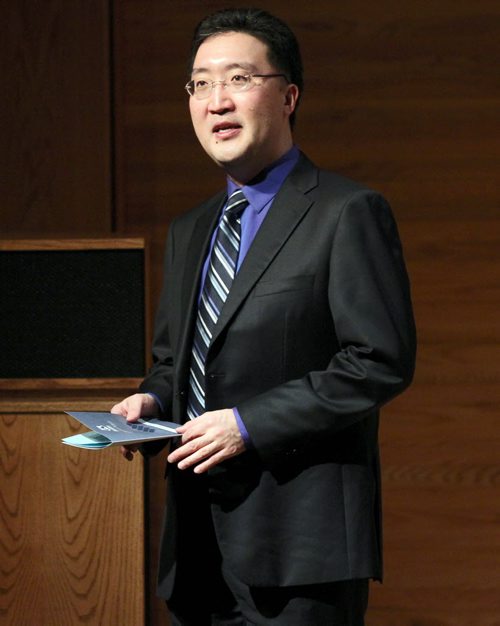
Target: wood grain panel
441,474
455,271
404,94
55,153
440,441
432,157
131,243
71,526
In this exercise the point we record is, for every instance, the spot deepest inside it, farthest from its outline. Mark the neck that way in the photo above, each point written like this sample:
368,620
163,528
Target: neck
244,172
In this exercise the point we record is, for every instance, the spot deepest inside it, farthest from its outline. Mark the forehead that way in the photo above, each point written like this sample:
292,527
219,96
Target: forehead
230,50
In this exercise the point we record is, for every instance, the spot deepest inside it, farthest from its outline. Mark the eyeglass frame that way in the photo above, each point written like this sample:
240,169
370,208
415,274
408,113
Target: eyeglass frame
190,84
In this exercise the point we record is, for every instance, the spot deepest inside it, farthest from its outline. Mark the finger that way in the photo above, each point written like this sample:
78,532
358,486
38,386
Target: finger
191,431
127,453
117,409
212,461
134,408
186,449
203,453
192,451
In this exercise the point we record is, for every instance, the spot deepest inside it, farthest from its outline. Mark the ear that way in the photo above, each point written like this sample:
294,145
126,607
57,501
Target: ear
291,98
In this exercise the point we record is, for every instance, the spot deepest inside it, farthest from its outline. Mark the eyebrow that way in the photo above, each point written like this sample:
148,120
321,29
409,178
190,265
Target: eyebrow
248,67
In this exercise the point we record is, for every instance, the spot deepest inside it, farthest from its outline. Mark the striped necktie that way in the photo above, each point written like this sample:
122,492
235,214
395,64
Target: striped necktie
218,281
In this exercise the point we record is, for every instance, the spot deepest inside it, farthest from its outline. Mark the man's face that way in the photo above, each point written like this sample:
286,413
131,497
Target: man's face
247,131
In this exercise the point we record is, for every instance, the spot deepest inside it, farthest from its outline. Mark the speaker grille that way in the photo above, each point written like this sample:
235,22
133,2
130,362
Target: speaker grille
72,313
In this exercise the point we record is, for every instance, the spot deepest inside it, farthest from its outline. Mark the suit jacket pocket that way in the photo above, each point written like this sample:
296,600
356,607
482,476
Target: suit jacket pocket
293,283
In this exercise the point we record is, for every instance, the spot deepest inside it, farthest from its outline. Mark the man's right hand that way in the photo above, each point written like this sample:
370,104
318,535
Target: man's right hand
135,406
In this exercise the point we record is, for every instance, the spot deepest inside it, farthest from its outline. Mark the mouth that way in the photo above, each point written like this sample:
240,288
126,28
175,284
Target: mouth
225,130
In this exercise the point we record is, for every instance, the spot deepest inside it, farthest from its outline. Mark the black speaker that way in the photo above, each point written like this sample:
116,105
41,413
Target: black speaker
72,308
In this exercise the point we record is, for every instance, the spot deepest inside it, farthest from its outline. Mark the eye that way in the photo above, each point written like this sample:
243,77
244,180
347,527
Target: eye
199,83
240,79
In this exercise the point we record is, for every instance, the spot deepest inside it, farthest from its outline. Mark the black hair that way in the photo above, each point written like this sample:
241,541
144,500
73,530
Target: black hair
283,47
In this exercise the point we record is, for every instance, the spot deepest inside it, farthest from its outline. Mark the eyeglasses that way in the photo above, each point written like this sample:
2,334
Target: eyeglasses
201,88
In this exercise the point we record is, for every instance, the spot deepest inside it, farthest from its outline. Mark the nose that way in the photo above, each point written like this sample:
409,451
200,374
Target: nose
220,97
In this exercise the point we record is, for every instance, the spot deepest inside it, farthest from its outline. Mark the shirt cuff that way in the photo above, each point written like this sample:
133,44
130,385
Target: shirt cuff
243,431
157,400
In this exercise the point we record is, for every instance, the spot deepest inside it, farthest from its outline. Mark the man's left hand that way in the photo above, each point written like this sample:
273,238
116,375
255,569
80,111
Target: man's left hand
208,440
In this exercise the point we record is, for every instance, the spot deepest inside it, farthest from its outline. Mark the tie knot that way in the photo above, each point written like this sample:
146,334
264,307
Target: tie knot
236,203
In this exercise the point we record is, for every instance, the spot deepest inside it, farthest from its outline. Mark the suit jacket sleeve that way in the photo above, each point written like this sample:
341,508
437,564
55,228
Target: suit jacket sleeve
159,380
369,301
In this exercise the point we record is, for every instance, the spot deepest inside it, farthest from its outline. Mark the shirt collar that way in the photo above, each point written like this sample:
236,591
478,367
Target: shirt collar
262,189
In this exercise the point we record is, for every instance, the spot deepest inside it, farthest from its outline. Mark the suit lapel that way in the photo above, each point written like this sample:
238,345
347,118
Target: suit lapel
289,207
193,265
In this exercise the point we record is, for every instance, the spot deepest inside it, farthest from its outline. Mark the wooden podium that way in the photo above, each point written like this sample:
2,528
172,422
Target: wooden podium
72,522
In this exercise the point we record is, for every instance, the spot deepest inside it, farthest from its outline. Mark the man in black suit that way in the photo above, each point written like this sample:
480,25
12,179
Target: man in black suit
284,324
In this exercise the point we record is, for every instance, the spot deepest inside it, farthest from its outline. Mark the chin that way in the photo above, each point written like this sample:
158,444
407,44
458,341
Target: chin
227,160
227,151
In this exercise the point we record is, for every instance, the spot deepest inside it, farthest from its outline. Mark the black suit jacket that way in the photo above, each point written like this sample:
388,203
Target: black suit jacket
316,335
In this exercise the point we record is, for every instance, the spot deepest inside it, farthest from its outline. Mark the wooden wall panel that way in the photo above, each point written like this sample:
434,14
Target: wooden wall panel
440,441
441,478
71,522
55,153
405,96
